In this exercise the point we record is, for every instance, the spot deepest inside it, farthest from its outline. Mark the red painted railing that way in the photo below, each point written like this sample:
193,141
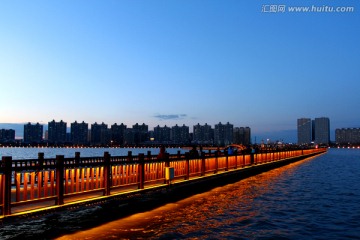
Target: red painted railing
29,183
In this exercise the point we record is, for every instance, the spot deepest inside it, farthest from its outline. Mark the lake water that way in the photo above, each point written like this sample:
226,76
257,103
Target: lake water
318,198
31,153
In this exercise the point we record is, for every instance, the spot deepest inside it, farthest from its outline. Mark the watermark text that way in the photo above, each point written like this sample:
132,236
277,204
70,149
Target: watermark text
278,8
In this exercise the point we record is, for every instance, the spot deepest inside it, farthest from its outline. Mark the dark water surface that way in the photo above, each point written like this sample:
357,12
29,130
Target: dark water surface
318,198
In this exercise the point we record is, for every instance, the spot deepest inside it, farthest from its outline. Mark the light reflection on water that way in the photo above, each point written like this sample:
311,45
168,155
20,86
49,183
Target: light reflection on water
313,199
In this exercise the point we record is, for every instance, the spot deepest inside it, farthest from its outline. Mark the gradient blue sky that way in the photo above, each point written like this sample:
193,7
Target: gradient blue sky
179,62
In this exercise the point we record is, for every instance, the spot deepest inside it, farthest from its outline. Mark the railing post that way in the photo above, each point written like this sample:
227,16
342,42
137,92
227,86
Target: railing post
77,159
60,179
236,159
226,161
216,161
203,164
107,174
187,166
252,159
167,160
129,157
41,159
178,154
148,155
40,167
141,166
77,163
7,164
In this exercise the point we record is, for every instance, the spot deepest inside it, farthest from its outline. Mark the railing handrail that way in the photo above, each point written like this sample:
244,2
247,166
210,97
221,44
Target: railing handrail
33,162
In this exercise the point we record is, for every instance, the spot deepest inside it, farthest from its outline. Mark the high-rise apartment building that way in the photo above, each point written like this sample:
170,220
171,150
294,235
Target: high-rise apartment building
322,130
57,132
247,135
223,134
347,136
7,135
203,134
162,134
99,134
180,134
118,133
105,136
317,130
129,136
79,133
242,135
33,133
304,131
140,133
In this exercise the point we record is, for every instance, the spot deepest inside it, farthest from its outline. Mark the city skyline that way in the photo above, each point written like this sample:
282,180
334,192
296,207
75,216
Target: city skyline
296,136
69,124
167,63
103,134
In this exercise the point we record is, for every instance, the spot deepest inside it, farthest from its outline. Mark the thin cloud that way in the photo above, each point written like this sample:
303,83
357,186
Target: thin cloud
170,116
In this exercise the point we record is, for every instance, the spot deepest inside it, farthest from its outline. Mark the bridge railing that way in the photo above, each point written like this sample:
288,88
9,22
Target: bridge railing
61,180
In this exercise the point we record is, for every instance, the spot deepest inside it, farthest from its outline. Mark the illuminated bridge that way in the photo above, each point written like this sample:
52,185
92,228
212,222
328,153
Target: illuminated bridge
37,186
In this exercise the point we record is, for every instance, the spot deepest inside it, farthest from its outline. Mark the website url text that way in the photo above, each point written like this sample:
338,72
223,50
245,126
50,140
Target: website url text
273,8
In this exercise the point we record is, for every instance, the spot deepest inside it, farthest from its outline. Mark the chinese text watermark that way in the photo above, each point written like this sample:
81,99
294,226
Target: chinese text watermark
277,8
